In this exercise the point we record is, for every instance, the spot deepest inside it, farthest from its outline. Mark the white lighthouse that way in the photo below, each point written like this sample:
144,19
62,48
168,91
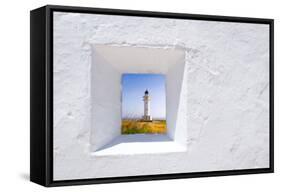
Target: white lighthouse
146,102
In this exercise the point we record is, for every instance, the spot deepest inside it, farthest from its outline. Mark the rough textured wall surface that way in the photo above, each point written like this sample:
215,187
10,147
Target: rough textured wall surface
227,83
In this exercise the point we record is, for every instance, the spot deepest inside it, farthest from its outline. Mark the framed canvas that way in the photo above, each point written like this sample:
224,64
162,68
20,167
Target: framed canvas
121,95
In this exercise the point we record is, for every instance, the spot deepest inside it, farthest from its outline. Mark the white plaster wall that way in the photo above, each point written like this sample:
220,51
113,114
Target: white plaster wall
105,101
176,106
226,80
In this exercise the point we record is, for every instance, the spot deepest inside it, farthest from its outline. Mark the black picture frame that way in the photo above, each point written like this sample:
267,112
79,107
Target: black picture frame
41,94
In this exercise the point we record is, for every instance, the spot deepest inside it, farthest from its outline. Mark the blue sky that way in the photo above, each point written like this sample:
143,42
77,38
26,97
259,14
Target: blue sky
133,88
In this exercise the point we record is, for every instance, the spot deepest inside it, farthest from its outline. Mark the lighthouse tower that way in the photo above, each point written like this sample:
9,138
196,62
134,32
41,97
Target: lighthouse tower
146,101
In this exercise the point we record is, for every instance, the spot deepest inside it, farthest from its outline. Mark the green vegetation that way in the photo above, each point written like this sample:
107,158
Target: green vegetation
138,126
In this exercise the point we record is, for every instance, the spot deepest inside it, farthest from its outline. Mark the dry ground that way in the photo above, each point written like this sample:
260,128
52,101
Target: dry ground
138,126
